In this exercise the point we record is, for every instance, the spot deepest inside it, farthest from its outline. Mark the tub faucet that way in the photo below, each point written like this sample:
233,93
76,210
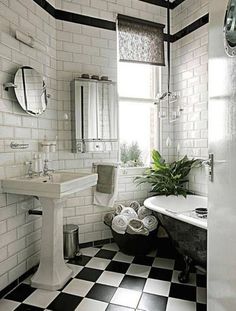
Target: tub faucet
46,170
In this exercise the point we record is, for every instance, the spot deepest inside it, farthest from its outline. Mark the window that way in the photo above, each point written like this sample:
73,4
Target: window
138,85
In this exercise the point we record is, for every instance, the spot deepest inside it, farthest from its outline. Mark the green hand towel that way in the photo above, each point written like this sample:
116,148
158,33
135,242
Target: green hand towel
106,176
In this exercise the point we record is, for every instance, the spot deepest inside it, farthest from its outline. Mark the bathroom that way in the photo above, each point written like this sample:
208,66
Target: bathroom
62,40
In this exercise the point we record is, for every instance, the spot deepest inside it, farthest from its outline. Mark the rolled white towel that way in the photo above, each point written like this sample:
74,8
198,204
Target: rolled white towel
136,226
135,205
119,208
143,212
119,224
150,222
129,213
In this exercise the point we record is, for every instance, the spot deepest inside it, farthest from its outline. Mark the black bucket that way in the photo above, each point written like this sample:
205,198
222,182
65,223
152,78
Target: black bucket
136,244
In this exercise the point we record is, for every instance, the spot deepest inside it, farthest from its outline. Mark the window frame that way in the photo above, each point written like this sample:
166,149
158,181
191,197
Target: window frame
157,82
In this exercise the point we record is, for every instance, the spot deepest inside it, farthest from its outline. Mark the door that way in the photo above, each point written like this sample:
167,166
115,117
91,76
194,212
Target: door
222,143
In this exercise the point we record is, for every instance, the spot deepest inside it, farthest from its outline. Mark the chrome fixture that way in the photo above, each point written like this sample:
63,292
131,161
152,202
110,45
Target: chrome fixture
18,146
168,98
31,172
46,170
8,85
210,163
230,29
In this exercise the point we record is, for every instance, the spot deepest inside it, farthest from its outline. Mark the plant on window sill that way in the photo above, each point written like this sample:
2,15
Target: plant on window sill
168,178
130,155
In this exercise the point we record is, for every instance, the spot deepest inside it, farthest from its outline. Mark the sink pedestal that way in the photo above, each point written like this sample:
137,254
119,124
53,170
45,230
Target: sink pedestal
52,273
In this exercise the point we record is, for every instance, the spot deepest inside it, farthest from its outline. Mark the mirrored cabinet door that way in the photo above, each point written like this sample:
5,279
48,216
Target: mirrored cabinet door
95,115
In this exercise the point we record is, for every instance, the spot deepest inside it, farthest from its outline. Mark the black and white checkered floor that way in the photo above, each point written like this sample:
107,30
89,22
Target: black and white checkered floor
105,279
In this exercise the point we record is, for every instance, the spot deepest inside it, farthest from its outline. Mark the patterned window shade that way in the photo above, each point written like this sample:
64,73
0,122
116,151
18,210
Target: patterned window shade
140,41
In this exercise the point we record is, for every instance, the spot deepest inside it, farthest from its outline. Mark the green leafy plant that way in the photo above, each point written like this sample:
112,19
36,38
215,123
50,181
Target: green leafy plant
168,178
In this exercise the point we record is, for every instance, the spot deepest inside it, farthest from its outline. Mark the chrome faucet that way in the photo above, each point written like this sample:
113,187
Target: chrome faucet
31,172
46,170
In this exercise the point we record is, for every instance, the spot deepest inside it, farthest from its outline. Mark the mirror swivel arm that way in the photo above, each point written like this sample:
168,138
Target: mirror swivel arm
8,85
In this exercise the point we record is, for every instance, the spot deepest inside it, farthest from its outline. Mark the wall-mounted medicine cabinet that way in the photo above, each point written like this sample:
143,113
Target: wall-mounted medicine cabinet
94,115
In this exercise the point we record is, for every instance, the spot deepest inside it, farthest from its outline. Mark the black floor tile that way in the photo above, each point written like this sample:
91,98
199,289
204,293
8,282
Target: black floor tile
181,291
20,293
165,249
133,282
201,307
143,260
160,274
101,292
25,307
201,280
64,302
112,307
89,274
151,302
80,260
117,266
107,254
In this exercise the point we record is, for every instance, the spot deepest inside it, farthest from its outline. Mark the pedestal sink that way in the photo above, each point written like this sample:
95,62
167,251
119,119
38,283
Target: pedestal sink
52,190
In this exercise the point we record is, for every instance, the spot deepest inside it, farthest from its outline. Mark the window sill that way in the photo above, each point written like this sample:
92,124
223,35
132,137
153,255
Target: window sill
133,171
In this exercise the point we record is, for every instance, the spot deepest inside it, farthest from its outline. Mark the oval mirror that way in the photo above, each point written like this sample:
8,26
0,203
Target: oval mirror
30,90
230,28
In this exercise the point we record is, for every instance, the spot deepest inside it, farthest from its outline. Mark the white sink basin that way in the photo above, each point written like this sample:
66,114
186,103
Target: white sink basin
58,186
52,273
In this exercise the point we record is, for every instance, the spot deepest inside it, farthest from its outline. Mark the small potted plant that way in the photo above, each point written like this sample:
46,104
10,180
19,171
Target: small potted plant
168,178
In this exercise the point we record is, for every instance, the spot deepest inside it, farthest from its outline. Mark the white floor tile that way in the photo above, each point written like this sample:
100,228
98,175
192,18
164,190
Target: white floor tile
78,287
76,269
91,305
192,278
110,278
98,263
111,247
180,305
165,263
41,298
139,270
157,287
89,251
126,297
8,305
201,295
123,257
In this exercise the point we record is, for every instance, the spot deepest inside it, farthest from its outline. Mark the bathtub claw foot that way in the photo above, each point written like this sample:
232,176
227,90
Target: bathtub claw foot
183,276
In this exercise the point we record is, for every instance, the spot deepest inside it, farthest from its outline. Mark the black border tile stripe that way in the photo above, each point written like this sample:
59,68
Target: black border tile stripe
75,18
190,28
162,3
109,25
85,20
175,3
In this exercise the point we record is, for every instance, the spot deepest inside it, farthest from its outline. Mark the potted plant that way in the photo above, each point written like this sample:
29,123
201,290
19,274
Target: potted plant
168,178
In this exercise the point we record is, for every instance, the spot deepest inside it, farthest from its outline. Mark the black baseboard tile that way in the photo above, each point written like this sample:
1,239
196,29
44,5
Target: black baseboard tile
11,286
96,243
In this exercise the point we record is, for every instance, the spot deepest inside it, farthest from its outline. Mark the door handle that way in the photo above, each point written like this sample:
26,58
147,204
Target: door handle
210,164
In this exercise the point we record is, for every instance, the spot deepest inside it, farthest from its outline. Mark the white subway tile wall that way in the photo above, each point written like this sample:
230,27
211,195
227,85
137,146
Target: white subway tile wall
73,49
190,80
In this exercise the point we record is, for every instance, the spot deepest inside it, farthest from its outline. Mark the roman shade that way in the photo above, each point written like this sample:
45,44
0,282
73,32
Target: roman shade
140,41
